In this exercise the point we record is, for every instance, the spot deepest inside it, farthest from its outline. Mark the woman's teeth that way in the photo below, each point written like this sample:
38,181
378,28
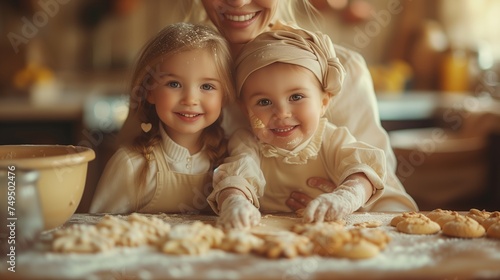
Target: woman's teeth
240,17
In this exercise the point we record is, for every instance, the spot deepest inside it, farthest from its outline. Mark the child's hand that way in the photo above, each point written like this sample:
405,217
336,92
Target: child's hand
237,212
344,200
299,200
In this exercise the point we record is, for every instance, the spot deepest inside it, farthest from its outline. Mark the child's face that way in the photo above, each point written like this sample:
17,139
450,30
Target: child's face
189,95
284,103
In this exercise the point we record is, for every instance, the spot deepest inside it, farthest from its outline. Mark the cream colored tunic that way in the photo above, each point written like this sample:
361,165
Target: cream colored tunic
267,175
176,181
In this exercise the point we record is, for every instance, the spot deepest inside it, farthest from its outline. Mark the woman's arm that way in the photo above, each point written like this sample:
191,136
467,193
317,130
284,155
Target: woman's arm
355,107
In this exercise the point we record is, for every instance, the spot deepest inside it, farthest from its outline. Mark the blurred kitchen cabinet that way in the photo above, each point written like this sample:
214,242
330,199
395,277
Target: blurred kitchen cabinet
493,193
441,168
34,132
22,122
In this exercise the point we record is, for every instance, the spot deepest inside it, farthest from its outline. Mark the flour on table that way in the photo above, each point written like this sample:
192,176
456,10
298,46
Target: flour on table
404,256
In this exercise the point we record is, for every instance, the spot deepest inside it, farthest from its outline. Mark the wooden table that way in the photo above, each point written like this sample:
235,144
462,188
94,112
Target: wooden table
406,256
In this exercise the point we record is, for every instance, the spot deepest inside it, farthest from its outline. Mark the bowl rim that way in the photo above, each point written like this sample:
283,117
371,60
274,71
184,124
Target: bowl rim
78,155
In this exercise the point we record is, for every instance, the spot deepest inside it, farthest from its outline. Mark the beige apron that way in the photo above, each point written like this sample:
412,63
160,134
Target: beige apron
284,178
178,192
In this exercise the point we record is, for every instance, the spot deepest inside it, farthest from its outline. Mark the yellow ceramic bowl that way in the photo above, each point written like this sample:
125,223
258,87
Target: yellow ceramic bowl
62,174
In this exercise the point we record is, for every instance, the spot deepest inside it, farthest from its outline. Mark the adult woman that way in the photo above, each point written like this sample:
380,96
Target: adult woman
239,21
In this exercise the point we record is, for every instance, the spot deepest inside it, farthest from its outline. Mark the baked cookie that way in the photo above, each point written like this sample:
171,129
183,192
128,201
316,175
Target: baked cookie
334,240
494,231
357,247
135,230
369,224
212,235
463,227
133,236
81,239
493,218
394,221
448,217
184,247
329,243
435,214
111,231
373,235
326,237
287,245
241,242
191,239
311,229
72,230
418,225
478,215
184,239
153,227
112,227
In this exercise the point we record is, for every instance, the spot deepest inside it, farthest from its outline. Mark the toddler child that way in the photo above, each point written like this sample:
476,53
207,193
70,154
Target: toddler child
284,82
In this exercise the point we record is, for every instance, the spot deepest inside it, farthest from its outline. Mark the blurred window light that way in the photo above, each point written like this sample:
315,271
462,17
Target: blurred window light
105,113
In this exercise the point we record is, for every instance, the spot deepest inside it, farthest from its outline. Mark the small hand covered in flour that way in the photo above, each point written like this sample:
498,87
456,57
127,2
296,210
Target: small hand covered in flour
344,200
237,212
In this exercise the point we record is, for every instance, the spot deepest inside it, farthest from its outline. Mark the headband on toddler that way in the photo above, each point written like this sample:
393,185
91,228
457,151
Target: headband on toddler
287,44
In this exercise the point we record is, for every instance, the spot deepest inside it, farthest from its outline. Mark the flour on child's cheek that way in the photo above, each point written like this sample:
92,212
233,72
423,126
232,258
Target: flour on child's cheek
256,122
259,129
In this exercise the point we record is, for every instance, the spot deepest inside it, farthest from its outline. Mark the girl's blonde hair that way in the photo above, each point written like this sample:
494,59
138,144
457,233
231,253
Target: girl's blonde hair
171,40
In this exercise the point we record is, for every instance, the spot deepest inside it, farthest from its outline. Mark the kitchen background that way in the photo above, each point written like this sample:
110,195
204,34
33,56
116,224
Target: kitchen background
65,66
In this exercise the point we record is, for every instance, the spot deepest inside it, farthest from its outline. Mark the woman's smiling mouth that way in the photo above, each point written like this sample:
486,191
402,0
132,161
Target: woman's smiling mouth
240,18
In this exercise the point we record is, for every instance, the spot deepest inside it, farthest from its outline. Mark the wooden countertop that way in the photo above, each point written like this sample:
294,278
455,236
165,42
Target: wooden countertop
422,105
406,256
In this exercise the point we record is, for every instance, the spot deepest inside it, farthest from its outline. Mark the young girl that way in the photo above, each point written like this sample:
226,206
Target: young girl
180,84
285,80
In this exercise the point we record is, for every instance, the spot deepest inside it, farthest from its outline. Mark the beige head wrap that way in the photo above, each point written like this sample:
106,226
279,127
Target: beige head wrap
287,44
